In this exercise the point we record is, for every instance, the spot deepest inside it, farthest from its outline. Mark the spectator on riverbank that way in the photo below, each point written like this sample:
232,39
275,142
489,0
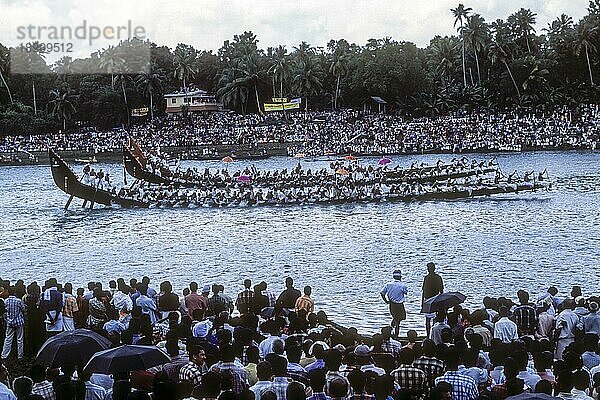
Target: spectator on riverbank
394,294
15,322
432,286
343,359
331,132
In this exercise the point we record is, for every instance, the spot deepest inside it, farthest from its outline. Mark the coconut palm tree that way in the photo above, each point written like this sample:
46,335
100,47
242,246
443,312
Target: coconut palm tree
304,51
475,34
585,38
560,26
307,77
123,78
460,14
251,70
185,62
62,106
339,69
444,57
523,22
280,67
498,53
4,68
33,61
112,62
232,92
150,81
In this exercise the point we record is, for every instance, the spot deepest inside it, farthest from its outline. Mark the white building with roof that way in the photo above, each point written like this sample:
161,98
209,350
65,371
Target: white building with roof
195,99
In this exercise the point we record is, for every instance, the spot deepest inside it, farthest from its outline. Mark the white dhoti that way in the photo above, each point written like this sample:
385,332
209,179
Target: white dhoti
429,315
68,324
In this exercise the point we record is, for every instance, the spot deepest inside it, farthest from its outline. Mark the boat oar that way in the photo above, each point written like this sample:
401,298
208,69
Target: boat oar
95,192
72,196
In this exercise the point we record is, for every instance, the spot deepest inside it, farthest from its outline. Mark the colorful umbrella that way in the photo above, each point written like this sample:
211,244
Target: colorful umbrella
384,161
350,158
227,159
300,155
243,179
342,171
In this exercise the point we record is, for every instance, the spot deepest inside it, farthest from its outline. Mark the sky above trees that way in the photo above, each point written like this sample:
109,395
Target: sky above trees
207,24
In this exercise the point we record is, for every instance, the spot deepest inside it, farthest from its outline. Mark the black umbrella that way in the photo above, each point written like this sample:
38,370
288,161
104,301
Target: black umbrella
125,359
71,348
442,301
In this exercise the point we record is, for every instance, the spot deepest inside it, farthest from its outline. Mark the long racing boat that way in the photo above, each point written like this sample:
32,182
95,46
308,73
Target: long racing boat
67,181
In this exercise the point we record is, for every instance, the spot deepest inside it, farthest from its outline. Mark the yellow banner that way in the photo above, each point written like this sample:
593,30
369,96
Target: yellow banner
139,112
280,99
294,104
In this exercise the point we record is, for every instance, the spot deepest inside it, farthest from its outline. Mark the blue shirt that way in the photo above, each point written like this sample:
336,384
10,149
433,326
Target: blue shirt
395,291
148,306
318,364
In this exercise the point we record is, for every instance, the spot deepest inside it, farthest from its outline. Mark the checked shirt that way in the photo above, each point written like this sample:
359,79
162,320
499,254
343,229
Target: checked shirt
431,366
410,378
463,387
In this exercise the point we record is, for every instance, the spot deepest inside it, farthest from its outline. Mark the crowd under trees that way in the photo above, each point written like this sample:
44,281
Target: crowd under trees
486,65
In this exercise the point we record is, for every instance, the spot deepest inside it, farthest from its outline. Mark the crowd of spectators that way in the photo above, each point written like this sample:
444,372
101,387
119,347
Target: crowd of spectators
339,132
260,345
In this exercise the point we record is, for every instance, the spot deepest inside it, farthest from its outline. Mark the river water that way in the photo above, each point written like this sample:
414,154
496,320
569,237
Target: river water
490,246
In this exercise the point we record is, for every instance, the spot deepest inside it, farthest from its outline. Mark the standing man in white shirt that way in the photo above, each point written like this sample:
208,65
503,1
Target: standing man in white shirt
394,294
504,328
564,333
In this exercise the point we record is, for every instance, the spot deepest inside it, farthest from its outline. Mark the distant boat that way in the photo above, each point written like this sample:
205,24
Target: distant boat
87,160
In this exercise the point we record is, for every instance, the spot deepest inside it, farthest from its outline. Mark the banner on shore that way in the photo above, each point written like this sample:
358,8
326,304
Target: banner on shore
140,112
293,104
280,99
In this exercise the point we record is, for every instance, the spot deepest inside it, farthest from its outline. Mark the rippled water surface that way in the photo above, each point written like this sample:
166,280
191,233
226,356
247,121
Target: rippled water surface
491,246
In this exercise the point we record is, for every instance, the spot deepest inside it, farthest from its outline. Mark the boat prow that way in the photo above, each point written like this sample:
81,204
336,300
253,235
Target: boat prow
67,181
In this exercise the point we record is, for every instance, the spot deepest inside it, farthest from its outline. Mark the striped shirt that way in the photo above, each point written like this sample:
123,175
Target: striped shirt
305,303
15,310
240,377
392,346
245,298
526,319
279,386
71,306
271,296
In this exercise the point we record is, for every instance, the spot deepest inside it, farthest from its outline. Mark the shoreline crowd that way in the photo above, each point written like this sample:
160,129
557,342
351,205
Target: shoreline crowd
337,132
262,345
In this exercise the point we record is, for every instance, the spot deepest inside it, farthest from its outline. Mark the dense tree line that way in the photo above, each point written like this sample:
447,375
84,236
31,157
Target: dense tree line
486,65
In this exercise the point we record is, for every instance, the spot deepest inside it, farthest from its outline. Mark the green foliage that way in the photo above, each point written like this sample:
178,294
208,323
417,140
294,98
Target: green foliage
505,63
19,119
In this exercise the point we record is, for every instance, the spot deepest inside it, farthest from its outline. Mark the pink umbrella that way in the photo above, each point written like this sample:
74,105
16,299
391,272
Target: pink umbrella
243,179
384,161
